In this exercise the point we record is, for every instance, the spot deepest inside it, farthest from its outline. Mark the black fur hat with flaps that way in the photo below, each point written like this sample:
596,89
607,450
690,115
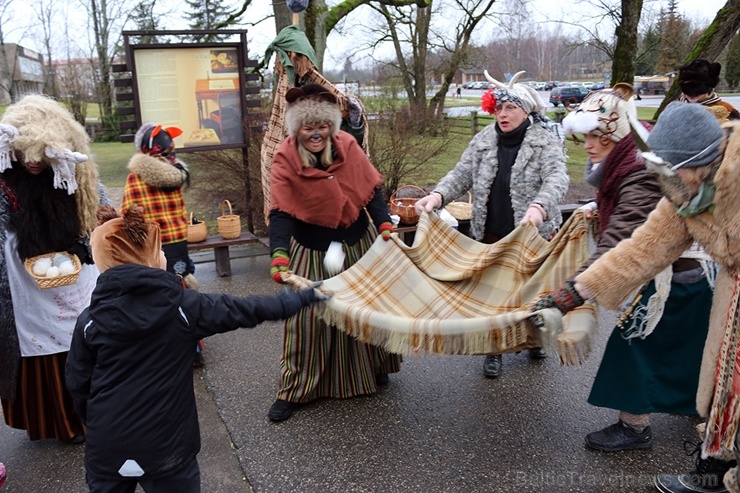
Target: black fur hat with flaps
699,77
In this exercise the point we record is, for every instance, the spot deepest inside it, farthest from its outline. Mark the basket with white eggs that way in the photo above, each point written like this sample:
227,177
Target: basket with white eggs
52,270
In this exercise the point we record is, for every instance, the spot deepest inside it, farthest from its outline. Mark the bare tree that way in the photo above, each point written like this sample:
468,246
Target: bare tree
318,20
107,18
46,14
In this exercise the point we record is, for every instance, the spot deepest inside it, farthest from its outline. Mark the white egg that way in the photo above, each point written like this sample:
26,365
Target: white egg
334,258
66,267
41,265
52,272
59,258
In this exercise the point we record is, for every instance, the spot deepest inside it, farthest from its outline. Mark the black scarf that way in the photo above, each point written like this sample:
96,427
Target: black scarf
45,219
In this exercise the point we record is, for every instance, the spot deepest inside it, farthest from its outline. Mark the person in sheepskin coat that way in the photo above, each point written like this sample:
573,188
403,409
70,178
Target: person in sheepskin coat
515,171
698,166
49,192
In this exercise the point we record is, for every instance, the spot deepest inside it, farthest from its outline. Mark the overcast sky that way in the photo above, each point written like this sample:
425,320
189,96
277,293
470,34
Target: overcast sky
338,47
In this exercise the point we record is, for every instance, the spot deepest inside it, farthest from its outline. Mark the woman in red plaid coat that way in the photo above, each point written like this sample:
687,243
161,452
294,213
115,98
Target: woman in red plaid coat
156,182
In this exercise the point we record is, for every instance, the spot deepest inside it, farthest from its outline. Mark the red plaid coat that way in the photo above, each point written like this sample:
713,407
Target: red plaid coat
166,208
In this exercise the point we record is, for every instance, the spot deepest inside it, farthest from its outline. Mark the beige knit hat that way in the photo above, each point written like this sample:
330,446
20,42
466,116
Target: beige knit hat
604,112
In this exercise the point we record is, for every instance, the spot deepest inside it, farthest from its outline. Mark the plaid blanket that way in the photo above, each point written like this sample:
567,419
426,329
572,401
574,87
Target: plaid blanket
449,294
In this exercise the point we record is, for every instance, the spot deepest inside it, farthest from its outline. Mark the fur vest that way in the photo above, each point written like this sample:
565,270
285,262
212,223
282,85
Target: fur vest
538,176
663,238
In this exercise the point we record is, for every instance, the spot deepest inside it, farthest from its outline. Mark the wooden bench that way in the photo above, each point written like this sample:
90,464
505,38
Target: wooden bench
220,248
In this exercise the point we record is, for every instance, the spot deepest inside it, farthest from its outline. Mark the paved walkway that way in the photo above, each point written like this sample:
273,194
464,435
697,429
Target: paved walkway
439,426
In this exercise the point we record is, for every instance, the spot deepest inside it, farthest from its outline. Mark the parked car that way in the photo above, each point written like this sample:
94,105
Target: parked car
567,95
598,86
540,86
550,84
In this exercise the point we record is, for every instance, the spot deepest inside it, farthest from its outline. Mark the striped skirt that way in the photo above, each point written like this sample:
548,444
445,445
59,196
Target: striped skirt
319,360
42,406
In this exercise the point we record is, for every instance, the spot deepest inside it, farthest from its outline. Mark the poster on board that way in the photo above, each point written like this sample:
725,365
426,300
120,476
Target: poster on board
194,88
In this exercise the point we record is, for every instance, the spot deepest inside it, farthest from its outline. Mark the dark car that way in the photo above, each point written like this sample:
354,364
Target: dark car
568,95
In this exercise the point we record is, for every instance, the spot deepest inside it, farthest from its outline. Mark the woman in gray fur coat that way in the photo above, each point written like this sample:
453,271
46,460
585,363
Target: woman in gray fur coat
515,170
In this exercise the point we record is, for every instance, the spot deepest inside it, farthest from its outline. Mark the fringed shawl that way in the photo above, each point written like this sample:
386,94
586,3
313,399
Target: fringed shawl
449,294
330,198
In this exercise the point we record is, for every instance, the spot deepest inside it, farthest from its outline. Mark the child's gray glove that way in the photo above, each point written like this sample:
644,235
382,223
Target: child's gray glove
293,301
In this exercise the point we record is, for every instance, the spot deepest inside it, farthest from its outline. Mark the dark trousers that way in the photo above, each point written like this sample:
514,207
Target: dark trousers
184,480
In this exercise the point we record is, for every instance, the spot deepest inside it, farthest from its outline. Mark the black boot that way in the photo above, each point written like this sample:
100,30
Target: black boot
707,476
492,366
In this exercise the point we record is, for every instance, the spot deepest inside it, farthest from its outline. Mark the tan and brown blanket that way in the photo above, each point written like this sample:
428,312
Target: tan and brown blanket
449,294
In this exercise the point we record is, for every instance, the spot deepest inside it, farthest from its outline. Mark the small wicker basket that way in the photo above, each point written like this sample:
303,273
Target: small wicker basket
229,225
462,211
403,207
53,282
197,232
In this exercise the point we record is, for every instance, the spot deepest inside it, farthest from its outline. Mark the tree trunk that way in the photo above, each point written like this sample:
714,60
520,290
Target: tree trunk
625,51
315,18
715,39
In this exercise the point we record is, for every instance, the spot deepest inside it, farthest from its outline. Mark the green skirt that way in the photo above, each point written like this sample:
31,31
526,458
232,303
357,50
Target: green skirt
658,374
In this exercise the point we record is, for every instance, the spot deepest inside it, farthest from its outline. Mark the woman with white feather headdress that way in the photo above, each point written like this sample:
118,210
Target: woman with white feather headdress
636,376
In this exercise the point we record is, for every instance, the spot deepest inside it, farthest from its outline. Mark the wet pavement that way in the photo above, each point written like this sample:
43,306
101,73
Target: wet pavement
438,426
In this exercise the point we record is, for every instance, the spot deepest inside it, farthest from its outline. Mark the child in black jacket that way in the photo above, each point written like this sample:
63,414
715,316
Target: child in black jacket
129,367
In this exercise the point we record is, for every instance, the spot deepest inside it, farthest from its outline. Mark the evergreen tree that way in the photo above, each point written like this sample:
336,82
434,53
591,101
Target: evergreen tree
649,52
732,65
675,34
144,20
206,14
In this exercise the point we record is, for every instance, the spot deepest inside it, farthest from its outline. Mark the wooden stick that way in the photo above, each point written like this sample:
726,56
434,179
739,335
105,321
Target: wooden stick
296,18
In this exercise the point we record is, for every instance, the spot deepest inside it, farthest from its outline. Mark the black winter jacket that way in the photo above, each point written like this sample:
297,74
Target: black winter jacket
130,365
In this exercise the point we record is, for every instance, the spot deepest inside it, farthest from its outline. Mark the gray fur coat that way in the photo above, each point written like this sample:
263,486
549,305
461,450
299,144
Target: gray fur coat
539,175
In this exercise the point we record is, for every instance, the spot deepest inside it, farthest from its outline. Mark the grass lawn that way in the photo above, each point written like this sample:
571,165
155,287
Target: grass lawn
112,158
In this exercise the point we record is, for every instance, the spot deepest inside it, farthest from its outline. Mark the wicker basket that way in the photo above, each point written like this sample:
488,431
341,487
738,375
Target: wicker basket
403,207
197,232
462,211
54,282
229,225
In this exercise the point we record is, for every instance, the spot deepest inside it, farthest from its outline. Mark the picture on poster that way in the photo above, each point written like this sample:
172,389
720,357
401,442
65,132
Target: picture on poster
196,89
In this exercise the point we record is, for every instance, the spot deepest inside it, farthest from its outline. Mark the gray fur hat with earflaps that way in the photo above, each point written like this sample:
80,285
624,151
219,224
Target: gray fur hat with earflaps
312,103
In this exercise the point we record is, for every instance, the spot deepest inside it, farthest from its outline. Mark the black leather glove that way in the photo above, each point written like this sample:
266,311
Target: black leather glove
565,299
81,248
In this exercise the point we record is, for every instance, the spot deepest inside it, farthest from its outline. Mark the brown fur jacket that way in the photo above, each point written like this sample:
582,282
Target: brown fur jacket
662,239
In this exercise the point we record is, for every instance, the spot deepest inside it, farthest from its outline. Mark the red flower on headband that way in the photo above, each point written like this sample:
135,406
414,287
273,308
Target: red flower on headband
488,102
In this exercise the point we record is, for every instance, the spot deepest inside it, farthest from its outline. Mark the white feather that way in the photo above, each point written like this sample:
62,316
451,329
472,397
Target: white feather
638,127
580,122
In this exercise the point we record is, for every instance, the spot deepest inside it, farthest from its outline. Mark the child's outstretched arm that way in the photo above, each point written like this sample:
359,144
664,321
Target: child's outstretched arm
217,313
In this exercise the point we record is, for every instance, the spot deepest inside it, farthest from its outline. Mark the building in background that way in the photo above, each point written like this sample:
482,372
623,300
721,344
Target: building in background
21,72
